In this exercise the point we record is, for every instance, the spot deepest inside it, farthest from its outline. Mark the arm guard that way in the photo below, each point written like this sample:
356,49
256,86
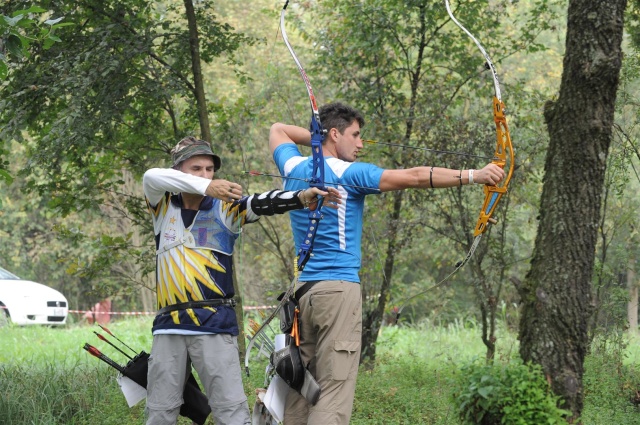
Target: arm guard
275,202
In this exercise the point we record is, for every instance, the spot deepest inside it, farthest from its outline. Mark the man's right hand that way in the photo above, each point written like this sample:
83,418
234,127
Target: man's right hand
490,174
311,196
224,190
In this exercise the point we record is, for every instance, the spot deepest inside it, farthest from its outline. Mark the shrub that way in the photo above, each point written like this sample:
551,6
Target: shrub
509,394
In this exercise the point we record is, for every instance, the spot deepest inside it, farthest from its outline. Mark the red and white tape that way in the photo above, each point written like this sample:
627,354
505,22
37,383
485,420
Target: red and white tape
142,313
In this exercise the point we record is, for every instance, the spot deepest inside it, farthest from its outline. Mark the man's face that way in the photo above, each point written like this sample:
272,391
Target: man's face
349,143
199,165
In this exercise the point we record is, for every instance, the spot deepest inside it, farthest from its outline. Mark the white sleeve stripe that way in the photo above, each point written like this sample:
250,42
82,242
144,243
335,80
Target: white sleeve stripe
338,166
282,194
293,163
342,219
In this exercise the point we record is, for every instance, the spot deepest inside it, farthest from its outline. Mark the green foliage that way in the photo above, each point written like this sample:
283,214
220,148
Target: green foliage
117,93
20,30
508,394
92,114
20,34
632,21
612,380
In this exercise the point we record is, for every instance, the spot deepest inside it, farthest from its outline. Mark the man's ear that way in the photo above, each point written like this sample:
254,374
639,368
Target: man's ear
333,134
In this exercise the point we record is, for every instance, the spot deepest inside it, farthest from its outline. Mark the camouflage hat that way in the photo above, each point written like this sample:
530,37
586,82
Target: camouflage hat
190,146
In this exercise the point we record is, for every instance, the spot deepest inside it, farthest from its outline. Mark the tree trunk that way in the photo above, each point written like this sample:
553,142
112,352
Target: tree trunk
372,321
632,305
205,131
240,315
556,293
198,83
487,301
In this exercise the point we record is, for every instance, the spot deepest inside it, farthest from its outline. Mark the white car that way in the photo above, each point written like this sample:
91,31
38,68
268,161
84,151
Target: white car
23,302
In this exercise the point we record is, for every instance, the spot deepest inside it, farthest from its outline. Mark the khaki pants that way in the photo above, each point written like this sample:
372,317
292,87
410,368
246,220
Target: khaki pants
330,341
215,358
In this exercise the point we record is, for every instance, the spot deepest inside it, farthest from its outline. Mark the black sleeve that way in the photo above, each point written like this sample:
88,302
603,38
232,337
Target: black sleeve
275,202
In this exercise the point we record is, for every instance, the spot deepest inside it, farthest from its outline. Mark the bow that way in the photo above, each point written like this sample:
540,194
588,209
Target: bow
503,154
493,194
316,180
317,136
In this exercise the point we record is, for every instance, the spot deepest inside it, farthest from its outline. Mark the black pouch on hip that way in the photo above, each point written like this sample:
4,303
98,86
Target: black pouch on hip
287,363
287,315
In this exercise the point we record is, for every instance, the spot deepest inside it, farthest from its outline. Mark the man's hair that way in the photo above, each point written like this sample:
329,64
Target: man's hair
340,116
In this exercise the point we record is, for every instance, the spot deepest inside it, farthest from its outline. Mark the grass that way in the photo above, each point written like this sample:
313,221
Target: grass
47,378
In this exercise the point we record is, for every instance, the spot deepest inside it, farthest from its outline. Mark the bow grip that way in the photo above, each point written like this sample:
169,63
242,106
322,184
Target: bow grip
317,137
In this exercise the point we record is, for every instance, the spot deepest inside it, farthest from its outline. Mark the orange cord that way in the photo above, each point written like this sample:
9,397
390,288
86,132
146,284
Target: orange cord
295,332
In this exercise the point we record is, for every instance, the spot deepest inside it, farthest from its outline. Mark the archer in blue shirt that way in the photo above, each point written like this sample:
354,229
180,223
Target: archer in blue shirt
331,311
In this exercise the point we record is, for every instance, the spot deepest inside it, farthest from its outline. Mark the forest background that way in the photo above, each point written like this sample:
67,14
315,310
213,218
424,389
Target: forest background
82,120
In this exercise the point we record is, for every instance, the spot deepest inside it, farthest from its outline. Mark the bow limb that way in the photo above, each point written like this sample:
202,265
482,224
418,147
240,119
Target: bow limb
317,136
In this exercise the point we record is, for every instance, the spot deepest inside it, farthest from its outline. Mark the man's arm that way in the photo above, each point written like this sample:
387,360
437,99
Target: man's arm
157,181
250,208
284,133
436,177
279,201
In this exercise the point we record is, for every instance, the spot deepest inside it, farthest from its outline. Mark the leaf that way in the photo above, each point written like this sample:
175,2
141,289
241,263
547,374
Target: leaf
25,23
4,174
14,46
4,71
48,43
25,42
53,21
32,9
12,22
64,24
485,391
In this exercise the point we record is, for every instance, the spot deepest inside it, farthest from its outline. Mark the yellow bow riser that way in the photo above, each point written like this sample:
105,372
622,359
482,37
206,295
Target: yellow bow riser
503,148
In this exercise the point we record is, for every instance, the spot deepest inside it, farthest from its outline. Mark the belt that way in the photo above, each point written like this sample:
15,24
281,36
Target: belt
197,304
304,289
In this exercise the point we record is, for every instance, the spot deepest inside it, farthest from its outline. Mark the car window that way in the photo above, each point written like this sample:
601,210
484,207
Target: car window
6,275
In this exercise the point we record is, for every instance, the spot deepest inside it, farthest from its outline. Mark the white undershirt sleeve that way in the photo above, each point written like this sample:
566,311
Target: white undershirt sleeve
157,181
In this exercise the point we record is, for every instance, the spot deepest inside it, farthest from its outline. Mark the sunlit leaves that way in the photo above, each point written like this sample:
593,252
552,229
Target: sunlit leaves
19,30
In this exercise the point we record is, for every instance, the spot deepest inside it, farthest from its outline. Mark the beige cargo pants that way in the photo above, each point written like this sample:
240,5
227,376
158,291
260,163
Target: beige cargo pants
331,332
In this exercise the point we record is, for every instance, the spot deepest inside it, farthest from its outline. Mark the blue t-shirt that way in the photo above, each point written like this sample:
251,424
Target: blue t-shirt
336,251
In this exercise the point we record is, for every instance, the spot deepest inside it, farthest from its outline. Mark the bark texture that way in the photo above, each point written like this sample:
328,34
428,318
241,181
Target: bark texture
198,82
556,293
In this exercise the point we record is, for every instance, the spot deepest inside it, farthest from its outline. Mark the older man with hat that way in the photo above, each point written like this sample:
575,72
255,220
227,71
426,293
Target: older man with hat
196,221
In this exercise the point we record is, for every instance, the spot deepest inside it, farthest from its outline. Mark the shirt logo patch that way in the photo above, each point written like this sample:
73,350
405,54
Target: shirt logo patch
202,236
170,235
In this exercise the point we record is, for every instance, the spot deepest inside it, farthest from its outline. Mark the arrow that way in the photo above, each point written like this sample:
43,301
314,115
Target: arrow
109,332
426,149
97,353
257,173
111,344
